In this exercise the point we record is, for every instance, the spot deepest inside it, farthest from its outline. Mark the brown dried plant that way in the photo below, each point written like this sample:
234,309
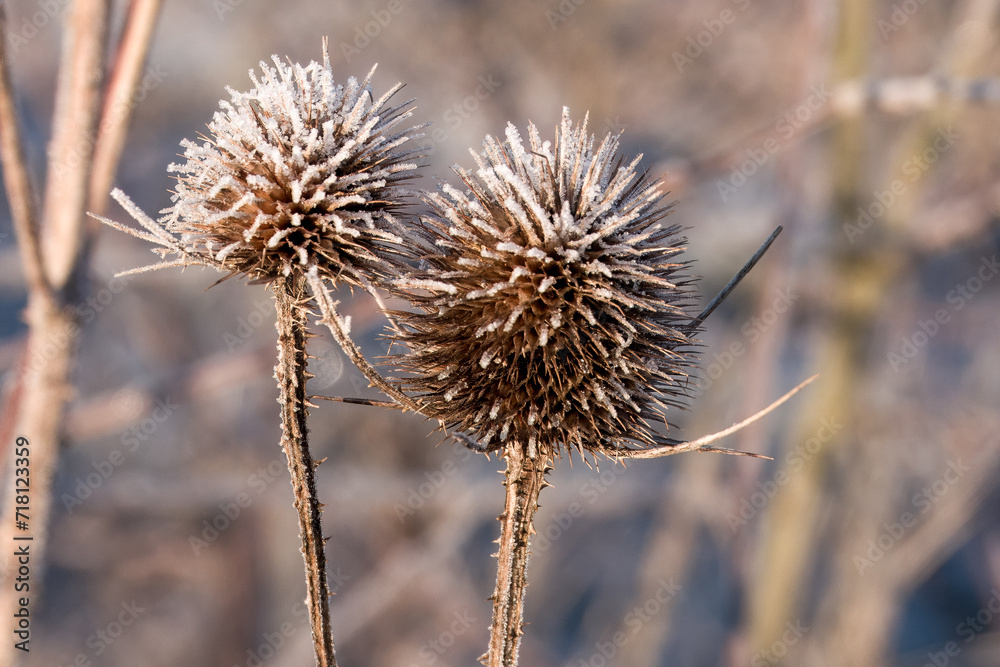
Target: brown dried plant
550,303
296,188
551,316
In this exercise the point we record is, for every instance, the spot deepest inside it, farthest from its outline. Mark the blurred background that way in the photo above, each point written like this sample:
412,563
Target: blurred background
867,129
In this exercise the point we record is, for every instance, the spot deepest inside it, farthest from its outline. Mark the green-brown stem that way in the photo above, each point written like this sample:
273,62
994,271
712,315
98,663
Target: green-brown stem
524,479
291,375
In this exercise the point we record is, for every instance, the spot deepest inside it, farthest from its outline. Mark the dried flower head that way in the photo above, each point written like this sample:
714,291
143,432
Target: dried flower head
551,303
299,172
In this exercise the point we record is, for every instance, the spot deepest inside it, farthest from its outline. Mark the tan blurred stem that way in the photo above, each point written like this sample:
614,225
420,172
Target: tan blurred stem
123,79
778,586
523,480
290,295
17,178
77,101
50,258
53,253
859,615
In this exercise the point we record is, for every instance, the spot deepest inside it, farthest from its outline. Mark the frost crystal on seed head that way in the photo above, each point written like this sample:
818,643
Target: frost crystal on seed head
550,295
299,172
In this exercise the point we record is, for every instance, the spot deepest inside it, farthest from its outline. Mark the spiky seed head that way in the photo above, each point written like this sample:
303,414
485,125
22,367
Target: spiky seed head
299,172
550,299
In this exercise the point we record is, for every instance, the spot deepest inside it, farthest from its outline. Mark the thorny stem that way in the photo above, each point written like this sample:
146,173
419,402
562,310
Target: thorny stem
524,480
291,375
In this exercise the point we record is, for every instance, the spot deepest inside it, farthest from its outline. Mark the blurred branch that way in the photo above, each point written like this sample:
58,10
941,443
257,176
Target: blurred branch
851,99
787,554
17,177
78,96
54,253
123,79
911,94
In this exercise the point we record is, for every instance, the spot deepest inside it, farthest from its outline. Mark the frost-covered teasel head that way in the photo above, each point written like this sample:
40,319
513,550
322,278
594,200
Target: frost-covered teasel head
551,302
299,172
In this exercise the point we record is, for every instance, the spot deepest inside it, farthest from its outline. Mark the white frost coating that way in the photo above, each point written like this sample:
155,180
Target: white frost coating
547,282
454,390
492,326
222,254
516,313
517,273
507,246
433,285
277,237
480,293
486,358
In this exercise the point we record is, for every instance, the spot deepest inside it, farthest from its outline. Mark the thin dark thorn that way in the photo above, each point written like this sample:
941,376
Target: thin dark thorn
360,401
721,296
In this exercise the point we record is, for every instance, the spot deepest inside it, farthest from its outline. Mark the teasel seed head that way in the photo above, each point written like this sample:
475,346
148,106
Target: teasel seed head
299,172
550,300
